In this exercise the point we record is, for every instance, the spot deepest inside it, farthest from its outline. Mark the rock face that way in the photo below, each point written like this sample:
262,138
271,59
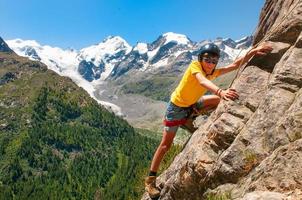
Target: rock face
4,47
89,71
251,148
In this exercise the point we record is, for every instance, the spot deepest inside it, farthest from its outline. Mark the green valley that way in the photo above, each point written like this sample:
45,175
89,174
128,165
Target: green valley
58,143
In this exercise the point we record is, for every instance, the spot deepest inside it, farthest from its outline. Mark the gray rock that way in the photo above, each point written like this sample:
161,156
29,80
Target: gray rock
263,195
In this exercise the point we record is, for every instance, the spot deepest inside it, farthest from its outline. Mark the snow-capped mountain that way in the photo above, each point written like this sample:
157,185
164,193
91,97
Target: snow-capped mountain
113,57
105,55
63,62
146,57
90,63
174,51
55,58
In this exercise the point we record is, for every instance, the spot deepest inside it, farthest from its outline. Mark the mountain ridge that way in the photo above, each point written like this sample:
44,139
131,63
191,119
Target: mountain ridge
114,50
4,47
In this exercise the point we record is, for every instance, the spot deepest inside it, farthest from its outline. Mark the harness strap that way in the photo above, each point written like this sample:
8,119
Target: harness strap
174,122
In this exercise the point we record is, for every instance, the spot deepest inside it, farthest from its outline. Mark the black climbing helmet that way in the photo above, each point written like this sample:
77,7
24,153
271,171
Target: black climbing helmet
209,48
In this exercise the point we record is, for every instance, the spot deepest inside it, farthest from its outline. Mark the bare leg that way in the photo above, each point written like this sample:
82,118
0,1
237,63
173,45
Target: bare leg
163,147
210,102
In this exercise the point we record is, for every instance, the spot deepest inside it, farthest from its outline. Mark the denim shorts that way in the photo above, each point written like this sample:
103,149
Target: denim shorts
175,112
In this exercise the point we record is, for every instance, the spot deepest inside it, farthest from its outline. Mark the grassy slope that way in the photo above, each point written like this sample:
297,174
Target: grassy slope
160,87
56,142
156,87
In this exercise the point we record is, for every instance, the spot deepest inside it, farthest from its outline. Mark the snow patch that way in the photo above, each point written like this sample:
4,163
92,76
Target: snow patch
242,39
175,37
19,43
142,48
151,54
160,63
176,54
108,69
234,53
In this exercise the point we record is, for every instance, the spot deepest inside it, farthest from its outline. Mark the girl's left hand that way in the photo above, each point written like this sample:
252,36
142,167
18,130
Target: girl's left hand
263,49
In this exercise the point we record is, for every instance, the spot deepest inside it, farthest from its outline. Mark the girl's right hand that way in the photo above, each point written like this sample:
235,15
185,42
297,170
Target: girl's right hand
229,94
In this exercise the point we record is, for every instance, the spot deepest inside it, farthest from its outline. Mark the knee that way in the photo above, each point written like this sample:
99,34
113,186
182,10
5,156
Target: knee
215,101
211,100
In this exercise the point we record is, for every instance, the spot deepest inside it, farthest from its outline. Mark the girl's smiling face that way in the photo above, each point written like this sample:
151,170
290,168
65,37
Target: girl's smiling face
209,63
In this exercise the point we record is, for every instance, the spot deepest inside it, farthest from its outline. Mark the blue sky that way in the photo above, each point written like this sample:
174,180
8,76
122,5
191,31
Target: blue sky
80,23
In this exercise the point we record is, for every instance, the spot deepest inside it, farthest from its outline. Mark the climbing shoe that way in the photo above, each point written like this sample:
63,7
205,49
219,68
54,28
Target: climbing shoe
150,187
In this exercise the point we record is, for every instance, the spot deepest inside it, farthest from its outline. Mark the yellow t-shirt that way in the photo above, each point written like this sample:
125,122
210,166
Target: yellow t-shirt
189,89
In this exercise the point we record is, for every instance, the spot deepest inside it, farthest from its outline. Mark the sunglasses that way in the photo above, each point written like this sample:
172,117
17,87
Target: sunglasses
209,60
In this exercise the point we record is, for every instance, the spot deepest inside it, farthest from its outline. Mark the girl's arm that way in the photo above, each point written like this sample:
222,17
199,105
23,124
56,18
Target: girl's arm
225,94
263,49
